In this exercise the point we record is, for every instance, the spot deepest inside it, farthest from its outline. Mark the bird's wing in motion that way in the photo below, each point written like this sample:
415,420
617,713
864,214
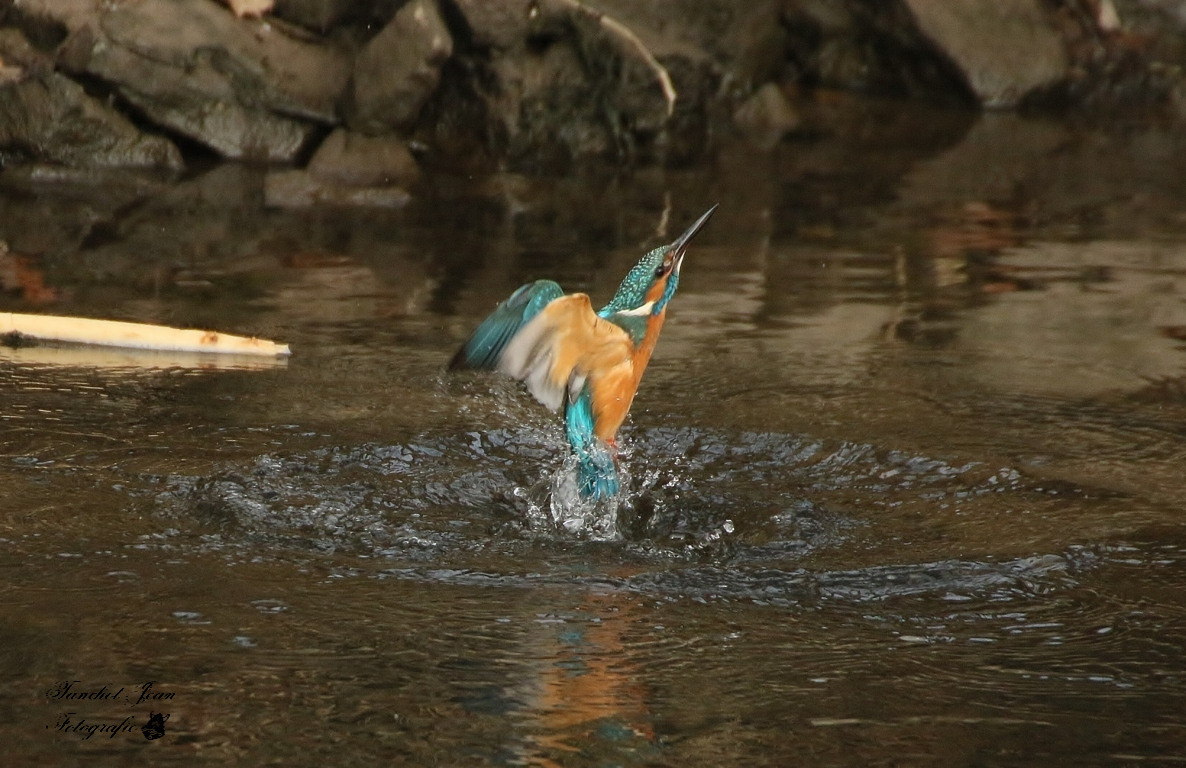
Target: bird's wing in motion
566,355
485,346
567,348
554,344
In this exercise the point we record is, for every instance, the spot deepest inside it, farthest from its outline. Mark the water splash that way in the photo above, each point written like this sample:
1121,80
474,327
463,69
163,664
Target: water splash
555,506
691,495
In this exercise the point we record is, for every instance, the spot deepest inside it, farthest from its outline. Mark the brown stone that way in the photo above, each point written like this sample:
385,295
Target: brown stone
562,82
1004,48
301,189
10,74
498,24
71,14
766,116
358,160
21,58
757,43
237,86
399,69
51,118
320,15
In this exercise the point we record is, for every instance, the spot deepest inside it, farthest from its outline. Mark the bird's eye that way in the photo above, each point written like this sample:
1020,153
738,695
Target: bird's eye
661,270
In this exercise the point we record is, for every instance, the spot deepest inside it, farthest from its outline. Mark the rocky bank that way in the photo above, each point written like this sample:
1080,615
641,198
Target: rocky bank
353,97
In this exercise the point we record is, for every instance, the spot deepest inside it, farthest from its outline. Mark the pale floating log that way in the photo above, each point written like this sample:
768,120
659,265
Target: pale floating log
113,333
122,359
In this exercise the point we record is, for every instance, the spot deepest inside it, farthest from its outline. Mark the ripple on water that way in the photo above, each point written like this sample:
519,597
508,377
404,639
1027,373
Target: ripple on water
686,480
710,516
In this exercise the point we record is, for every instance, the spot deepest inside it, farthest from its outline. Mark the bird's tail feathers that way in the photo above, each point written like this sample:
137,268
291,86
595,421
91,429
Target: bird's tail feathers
597,472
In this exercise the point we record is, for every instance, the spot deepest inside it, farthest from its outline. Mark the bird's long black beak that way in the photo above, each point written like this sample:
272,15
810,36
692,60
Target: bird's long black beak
680,246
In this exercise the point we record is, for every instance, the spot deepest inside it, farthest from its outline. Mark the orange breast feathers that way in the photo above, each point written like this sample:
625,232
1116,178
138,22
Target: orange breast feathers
601,353
587,349
567,346
642,355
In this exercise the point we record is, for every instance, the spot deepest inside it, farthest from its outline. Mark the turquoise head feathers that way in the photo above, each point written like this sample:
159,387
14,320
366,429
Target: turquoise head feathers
660,266
632,293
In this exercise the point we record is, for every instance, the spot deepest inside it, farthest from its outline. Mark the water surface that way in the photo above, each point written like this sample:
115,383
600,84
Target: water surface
905,470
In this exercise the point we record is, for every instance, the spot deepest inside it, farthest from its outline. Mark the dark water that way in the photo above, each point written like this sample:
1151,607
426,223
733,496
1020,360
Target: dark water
906,470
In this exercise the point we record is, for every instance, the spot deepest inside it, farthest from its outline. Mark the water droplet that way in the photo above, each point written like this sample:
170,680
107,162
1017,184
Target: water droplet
269,605
190,617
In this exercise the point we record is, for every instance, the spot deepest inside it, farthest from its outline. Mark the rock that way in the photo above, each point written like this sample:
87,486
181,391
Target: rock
51,118
302,189
358,160
873,48
545,108
10,74
500,24
239,87
1107,18
766,116
398,70
830,18
559,81
320,15
23,59
754,49
70,15
1177,100
1004,48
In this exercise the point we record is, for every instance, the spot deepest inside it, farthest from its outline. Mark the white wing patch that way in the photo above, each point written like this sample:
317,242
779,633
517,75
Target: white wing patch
528,358
565,347
576,382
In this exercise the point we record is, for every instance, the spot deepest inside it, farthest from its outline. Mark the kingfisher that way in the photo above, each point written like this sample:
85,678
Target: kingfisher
588,362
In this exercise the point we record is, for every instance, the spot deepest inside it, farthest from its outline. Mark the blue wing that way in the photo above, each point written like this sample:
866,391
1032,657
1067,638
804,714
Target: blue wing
485,346
553,353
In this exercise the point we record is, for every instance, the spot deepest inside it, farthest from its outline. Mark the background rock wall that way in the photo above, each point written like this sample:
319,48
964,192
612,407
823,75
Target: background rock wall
372,89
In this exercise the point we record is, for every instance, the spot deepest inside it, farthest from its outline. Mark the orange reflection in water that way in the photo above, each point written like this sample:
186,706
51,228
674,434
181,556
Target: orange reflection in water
589,695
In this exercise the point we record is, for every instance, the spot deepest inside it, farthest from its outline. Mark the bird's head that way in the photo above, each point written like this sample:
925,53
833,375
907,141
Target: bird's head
652,282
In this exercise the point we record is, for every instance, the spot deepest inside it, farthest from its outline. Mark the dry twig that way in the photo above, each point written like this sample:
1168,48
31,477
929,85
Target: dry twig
621,30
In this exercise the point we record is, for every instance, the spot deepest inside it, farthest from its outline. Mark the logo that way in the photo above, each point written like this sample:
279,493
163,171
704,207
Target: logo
155,727
108,697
